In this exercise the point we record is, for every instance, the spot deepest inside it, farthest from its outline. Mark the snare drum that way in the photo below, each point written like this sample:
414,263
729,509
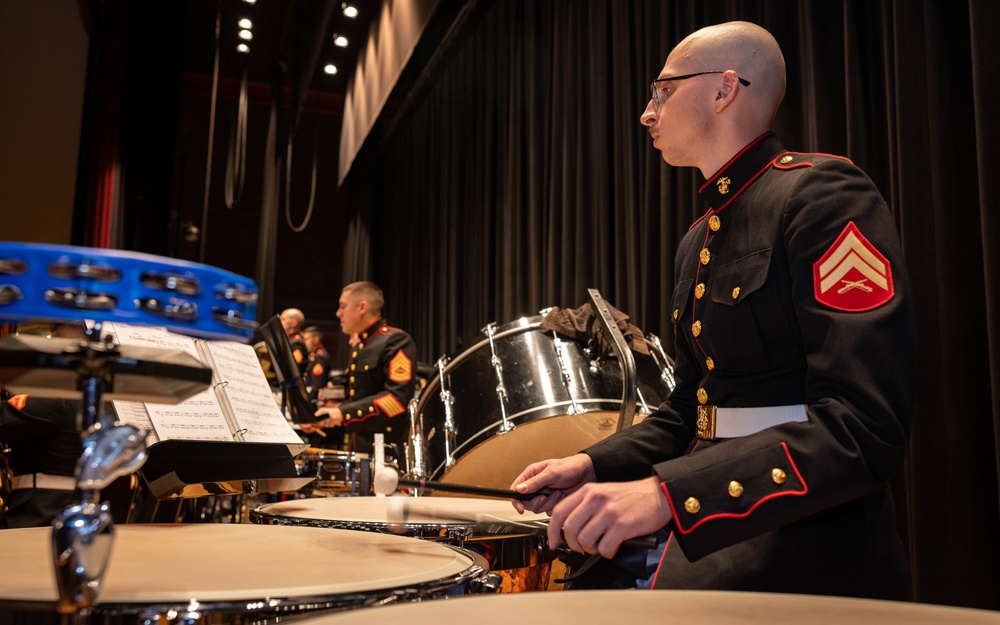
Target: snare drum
239,574
674,606
336,472
514,545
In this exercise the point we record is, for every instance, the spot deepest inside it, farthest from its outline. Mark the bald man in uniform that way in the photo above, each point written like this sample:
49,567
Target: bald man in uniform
292,320
767,468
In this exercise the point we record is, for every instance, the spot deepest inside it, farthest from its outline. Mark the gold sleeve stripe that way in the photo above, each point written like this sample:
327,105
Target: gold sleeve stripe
389,405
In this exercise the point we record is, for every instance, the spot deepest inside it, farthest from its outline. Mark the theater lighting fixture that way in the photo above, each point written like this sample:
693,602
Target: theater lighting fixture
246,35
243,48
250,1
245,23
349,10
340,41
330,69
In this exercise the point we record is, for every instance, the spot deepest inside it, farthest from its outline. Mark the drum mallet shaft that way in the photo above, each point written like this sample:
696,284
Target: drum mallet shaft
387,481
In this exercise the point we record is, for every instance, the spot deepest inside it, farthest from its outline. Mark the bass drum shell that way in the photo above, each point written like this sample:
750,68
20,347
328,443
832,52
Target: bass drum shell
559,400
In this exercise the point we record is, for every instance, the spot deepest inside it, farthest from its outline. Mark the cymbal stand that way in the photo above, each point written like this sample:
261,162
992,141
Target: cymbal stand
83,533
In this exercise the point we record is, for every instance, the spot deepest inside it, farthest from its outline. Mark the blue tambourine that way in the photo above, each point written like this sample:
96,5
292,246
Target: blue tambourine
63,282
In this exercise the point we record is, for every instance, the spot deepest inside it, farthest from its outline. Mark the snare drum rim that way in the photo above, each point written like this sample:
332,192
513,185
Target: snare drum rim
266,607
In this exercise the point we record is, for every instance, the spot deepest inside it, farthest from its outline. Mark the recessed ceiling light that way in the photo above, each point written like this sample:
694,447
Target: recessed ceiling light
330,69
246,35
340,41
350,10
243,48
245,23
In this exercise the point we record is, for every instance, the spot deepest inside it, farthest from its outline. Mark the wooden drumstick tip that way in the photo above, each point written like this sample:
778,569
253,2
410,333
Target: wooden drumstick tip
386,481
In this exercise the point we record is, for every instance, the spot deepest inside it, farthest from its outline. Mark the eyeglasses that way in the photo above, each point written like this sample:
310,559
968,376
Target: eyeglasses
660,94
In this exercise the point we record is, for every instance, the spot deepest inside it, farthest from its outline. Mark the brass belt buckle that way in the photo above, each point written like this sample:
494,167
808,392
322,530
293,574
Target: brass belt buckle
706,423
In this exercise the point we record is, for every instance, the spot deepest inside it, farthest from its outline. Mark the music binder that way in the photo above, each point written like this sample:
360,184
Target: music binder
230,438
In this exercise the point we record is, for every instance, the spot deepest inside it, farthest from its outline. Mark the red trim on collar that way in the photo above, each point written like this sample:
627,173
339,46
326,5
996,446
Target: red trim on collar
734,159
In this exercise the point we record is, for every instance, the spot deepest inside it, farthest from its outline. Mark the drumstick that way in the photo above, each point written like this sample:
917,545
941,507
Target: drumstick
387,481
400,509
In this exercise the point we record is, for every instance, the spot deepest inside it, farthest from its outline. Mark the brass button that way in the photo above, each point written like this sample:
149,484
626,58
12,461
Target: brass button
366,367
352,379
354,354
347,417
702,396
704,256
371,408
352,392
709,363
699,290
361,345
388,428
736,292
778,476
692,505
696,328
677,313
353,366
735,489
364,335
359,412
714,223
786,159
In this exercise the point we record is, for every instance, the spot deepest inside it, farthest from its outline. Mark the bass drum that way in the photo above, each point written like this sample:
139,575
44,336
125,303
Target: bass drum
523,395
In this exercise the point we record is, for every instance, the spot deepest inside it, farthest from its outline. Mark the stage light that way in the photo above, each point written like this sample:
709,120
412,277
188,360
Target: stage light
243,48
350,10
246,35
245,23
330,69
340,41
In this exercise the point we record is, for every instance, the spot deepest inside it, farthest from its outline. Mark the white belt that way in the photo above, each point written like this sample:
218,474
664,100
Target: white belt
42,480
715,422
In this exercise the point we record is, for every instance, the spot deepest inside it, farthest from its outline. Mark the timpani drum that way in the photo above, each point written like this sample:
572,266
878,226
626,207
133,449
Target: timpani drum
522,395
673,606
514,545
239,574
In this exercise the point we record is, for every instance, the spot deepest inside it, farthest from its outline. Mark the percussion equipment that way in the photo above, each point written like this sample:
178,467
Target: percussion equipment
206,573
63,282
513,544
337,472
520,396
673,606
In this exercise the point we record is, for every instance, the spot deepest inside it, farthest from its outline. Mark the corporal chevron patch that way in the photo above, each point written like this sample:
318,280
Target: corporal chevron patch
18,401
400,368
853,275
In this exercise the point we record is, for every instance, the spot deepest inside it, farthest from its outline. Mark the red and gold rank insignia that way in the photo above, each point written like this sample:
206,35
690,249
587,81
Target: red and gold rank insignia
317,369
18,401
852,275
400,368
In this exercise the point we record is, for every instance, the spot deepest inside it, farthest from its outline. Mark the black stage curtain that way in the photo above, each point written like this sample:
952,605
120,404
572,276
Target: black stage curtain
519,176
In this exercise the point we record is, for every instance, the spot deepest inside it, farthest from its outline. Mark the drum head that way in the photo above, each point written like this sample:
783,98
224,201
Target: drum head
674,606
218,566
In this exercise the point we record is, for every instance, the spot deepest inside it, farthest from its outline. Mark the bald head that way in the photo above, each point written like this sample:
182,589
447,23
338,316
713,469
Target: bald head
292,320
746,48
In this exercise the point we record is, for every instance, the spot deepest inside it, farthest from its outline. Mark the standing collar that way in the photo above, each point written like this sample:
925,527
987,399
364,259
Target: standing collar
741,170
372,329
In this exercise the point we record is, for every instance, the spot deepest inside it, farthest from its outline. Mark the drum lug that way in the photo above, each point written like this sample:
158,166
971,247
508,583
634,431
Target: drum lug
506,426
450,431
488,583
460,534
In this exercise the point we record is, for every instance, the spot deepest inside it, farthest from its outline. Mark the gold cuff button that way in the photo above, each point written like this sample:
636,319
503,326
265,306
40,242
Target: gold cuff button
702,396
704,256
692,505
714,223
359,412
371,408
735,489
699,290
736,292
778,476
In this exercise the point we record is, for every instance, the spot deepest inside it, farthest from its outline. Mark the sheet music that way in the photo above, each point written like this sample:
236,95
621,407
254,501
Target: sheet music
248,393
198,418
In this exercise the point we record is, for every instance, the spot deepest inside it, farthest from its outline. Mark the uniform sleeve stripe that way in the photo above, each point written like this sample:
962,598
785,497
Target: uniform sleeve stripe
389,405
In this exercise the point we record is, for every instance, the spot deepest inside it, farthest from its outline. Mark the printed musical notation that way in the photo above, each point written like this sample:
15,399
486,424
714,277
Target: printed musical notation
238,406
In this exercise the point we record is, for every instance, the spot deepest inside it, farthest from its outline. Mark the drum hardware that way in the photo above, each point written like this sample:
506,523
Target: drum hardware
506,426
237,293
560,346
625,357
662,359
70,271
416,452
450,430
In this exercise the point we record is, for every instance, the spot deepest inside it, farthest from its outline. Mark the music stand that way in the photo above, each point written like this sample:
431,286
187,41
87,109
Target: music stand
293,387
